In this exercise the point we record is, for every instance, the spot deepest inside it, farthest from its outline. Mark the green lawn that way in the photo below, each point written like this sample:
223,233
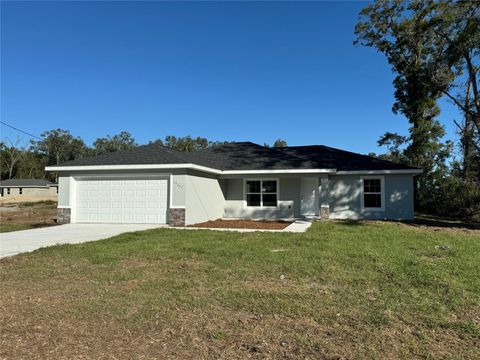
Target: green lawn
7,227
351,290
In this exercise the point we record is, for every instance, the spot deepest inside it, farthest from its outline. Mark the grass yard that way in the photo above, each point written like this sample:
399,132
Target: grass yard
351,290
7,227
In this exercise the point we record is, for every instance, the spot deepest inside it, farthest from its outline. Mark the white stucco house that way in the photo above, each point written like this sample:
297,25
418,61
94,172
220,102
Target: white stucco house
32,188
155,184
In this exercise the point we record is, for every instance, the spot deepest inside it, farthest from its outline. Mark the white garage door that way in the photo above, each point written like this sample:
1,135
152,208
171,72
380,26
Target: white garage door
122,201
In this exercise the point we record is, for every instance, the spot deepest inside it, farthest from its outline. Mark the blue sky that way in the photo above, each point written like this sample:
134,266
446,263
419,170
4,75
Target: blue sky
226,71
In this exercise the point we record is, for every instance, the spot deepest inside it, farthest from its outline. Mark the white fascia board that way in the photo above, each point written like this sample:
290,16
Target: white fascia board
380,172
279,171
227,172
133,167
187,166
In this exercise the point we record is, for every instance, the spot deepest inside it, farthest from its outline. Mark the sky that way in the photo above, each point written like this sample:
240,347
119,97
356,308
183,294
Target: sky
227,71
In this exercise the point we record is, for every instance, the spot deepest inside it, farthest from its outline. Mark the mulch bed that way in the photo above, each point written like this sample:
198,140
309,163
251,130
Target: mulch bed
244,224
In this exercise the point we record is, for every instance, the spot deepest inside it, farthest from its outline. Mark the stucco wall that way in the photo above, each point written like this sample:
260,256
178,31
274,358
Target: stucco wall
31,191
288,201
204,198
178,190
10,192
346,193
63,191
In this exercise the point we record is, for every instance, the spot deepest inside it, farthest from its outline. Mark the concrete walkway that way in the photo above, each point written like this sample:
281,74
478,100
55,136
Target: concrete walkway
16,242
298,226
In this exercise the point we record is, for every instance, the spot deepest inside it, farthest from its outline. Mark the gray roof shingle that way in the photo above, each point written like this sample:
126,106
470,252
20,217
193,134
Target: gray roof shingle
145,154
25,183
246,156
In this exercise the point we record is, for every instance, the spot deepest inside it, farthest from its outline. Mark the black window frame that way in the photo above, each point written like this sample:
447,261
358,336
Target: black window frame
373,189
261,193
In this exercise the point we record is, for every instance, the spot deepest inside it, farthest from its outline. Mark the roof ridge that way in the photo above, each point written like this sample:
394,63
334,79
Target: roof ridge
347,152
367,156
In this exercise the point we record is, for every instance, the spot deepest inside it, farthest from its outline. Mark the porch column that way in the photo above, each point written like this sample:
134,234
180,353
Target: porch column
324,197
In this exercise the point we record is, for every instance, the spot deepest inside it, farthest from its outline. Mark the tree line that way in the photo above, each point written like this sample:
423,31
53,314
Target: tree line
433,48
58,146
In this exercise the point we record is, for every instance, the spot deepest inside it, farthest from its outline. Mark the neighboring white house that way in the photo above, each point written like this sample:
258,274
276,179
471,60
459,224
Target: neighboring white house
28,188
155,184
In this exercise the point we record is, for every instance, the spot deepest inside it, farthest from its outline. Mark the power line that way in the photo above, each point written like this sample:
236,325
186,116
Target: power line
24,132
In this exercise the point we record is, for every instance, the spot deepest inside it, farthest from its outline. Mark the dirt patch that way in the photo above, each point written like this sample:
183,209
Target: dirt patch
243,224
39,214
24,198
434,223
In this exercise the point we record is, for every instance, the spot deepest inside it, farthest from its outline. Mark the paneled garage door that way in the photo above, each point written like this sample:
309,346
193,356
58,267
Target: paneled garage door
122,201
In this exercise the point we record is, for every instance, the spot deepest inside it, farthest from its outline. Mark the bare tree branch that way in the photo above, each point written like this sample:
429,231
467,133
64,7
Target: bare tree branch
12,155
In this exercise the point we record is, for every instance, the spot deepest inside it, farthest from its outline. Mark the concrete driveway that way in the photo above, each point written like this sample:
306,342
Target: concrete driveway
16,242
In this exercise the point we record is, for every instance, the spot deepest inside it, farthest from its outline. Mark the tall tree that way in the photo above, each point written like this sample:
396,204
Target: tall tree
394,143
397,29
32,166
11,154
121,141
280,143
454,28
187,143
59,146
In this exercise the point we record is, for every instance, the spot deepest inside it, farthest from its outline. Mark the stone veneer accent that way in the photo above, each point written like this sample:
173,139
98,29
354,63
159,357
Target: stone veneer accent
325,212
63,215
176,217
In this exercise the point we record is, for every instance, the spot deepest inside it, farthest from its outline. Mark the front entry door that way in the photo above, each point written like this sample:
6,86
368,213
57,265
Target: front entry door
309,196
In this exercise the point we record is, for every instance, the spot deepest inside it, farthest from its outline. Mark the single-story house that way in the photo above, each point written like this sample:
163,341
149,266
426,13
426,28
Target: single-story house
28,187
155,184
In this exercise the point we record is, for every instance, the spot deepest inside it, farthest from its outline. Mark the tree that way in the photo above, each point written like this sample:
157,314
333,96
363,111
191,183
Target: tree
187,143
454,69
394,143
122,141
397,29
157,141
11,155
32,166
280,143
59,146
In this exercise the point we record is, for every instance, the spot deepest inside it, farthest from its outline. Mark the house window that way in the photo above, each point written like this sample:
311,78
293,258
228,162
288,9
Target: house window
261,193
373,194
20,191
8,191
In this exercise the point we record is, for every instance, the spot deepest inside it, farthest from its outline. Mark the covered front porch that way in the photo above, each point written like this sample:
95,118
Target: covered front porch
283,196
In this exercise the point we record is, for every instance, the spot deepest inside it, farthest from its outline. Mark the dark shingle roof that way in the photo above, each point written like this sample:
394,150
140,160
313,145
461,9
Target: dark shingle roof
246,156
325,157
250,156
146,154
25,183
